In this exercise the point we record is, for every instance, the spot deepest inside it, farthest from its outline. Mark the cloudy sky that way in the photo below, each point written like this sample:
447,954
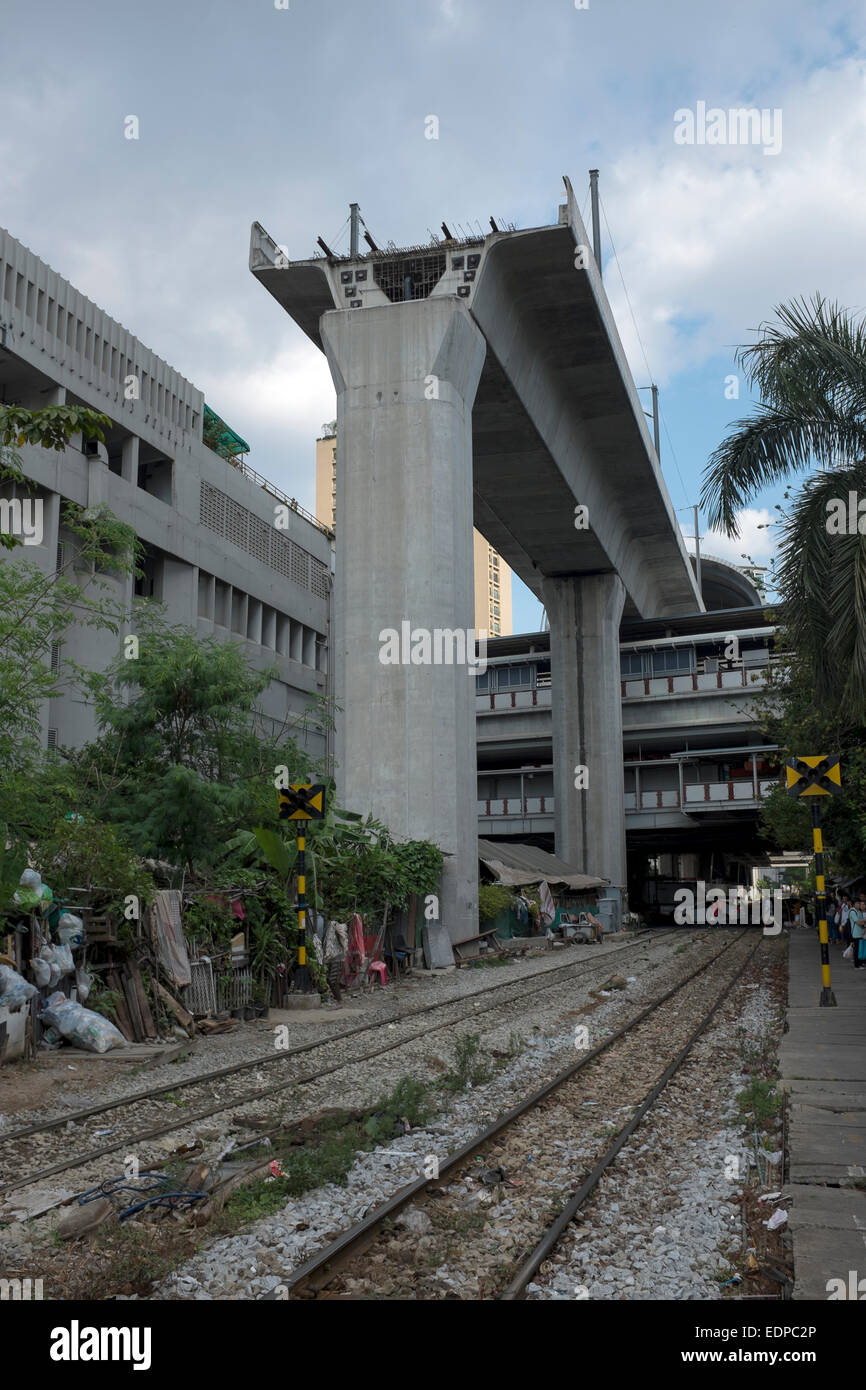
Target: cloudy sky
250,112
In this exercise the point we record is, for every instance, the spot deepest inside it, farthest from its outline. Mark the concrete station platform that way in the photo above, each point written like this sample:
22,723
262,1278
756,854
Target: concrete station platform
823,1069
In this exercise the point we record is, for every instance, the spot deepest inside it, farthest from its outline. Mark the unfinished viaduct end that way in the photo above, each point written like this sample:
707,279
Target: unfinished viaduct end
483,381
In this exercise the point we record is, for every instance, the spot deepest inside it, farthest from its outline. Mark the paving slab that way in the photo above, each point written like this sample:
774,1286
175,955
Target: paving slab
833,1096
828,1225
823,1068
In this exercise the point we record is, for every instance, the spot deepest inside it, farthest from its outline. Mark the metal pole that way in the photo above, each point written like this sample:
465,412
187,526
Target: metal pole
827,998
656,432
596,222
354,229
698,553
302,975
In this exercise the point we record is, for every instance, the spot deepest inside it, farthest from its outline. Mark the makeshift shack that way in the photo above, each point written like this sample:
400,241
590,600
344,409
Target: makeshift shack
542,874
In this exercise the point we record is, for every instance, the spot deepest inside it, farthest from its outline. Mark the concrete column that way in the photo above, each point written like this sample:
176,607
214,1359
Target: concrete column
584,615
129,460
406,377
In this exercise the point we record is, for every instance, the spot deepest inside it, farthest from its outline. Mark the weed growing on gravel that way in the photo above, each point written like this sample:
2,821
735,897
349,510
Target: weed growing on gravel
471,1067
137,1259
759,1103
408,1104
327,1154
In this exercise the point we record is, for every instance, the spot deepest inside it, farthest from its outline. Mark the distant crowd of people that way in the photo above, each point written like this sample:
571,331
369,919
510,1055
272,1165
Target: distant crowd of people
846,924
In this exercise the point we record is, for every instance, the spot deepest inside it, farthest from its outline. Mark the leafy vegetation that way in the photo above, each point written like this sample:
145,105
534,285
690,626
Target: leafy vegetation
809,371
471,1067
493,898
184,768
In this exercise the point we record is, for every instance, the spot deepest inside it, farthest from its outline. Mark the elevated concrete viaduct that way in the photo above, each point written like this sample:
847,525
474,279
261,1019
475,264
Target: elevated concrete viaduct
484,381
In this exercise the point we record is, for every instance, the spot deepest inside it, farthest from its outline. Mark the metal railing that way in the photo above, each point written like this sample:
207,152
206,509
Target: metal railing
291,502
738,678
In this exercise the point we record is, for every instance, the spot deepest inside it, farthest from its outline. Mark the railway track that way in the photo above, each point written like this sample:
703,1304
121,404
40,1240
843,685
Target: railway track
447,1252
163,1115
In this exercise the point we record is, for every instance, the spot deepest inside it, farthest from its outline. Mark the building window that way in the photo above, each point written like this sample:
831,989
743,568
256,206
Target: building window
672,661
514,677
631,664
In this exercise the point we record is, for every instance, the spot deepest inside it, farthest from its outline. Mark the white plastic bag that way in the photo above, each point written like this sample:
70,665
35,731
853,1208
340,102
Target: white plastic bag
70,929
848,953
48,955
63,958
81,1026
14,989
83,983
41,971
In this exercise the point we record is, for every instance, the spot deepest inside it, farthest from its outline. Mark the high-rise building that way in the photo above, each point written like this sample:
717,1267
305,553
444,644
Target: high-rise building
492,575
492,590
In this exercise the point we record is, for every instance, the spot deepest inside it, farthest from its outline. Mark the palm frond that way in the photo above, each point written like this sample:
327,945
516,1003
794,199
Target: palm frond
822,585
770,446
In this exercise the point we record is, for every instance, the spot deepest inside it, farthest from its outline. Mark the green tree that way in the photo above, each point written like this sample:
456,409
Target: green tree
791,717
183,762
809,371
50,428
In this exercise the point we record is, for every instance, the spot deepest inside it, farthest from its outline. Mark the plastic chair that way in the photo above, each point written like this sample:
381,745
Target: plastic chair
377,969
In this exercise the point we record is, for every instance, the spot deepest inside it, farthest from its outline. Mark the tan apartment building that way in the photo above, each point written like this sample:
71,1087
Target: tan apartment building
492,575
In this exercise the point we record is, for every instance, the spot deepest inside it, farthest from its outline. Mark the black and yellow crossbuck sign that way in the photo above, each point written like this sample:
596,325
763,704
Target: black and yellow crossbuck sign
302,801
817,775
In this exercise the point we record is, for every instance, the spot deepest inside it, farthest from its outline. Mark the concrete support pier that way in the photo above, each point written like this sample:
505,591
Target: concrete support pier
403,619
584,614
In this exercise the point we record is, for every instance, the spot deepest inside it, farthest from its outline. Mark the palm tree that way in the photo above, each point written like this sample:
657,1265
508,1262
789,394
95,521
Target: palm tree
809,371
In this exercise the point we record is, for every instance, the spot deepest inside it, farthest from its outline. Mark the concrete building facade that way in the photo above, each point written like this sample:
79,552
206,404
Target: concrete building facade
226,553
694,764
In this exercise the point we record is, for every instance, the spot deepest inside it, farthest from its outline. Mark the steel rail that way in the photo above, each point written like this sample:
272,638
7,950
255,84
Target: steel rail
157,1131
336,1254
554,1234
285,1054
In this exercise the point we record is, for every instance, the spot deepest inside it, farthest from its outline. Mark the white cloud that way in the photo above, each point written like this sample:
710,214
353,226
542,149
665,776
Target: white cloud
710,238
754,542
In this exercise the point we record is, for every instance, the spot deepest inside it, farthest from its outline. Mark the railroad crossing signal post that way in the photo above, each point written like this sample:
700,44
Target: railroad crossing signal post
302,802
817,776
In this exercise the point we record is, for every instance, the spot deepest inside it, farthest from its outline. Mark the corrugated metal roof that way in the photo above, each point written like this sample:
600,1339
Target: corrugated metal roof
514,864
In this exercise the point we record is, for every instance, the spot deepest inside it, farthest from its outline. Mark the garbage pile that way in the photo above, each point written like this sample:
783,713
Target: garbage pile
60,987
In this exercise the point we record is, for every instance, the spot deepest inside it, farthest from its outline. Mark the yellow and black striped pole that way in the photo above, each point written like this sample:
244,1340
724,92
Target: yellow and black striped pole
817,775
827,995
303,980
302,801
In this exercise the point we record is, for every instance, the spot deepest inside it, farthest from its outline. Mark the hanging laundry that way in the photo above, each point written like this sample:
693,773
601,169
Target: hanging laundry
548,910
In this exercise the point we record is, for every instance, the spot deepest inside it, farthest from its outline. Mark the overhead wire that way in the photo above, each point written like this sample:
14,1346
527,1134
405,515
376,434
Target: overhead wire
642,348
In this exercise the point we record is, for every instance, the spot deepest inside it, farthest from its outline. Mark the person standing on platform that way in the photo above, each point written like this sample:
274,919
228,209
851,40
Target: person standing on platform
844,924
856,918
